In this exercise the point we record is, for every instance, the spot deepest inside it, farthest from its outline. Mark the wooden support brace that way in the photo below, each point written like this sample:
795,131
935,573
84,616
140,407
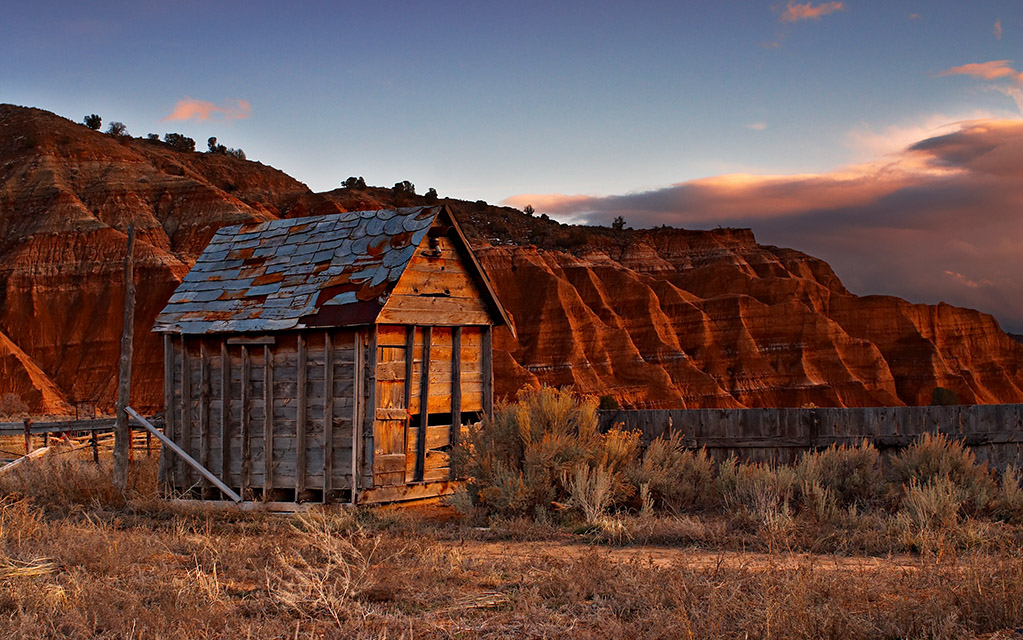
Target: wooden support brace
301,397
167,442
456,391
225,411
246,409
328,415
204,406
268,423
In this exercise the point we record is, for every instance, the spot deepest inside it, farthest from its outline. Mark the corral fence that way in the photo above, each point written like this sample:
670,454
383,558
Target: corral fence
97,433
994,432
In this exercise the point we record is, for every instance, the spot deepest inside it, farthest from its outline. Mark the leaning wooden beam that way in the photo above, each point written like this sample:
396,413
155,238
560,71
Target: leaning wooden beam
122,443
328,414
424,405
167,442
268,423
23,459
301,396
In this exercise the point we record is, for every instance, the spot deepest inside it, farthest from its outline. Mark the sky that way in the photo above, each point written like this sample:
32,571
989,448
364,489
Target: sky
883,137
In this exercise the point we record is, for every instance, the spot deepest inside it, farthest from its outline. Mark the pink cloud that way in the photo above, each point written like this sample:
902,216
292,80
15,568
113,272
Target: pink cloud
993,70
909,225
795,11
998,29
191,109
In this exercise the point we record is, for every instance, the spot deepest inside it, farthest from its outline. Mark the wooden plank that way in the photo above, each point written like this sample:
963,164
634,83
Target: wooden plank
434,311
370,383
268,431
392,413
407,492
246,436
488,372
204,406
185,472
328,414
225,411
358,413
166,479
389,437
300,417
424,404
394,370
390,463
253,341
456,391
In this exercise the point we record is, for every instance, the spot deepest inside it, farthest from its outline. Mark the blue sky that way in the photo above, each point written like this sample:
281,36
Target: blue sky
495,100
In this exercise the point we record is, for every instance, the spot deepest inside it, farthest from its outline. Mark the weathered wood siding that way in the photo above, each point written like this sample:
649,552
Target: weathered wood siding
993,432
417,364
218,398
436,289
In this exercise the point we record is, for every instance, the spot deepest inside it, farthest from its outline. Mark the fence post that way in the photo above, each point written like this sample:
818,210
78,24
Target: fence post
122,428
95,447
28,436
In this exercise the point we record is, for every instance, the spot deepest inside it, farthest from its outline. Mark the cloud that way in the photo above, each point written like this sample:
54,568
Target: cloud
191,109
757,126
937,221
993,70
795,12
998,29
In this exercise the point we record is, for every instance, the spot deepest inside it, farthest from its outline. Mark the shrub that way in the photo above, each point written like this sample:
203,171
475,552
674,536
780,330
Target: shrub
677,479
759,491
179,142
1008,502
117,129
12,406
93,121
522,460
848,476
937,458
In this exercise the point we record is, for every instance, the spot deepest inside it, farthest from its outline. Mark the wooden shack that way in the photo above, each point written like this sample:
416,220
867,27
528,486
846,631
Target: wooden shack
328,359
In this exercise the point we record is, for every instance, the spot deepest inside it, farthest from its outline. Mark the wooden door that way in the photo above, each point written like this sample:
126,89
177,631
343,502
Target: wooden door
390,429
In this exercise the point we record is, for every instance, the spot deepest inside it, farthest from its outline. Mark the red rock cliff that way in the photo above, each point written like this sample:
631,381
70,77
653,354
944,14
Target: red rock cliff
665,318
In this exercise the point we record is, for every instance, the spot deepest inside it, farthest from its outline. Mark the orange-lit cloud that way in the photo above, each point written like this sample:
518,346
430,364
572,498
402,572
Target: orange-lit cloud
937,221
993,70
191,109
998,29
795,11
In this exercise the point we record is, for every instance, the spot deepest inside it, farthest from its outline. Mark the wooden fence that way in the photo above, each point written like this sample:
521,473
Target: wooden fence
994,432
99,432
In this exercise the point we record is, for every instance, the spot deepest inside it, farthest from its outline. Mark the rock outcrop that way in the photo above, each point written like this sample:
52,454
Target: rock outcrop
663,318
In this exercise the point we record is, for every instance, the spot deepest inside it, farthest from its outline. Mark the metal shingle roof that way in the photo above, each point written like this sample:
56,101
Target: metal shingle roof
286,274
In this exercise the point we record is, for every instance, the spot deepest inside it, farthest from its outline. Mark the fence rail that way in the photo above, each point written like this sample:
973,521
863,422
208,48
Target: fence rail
994,432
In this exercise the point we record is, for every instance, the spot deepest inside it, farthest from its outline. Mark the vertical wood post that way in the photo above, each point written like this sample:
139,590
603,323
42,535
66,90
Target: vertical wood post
225,412
204,409
28,436
94,441
186,413
488,372
246,436
424,405
301,396
165,455
328,415
268,423
370,381
122,430
456,392
358,409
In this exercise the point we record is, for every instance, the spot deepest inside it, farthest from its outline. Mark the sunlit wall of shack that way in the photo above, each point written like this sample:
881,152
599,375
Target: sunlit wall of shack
330,359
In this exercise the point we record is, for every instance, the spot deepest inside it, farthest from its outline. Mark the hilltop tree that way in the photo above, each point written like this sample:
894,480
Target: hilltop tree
431,195
404,188
117,129
529,210
354,183
179,142
618,224
93,121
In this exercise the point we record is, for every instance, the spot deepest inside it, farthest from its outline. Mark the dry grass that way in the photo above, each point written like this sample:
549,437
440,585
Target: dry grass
82,562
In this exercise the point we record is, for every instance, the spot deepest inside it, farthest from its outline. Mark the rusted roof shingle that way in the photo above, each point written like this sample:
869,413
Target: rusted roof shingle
277,275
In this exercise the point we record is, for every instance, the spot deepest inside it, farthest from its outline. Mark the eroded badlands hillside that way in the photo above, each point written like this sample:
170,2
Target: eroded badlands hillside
665,318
